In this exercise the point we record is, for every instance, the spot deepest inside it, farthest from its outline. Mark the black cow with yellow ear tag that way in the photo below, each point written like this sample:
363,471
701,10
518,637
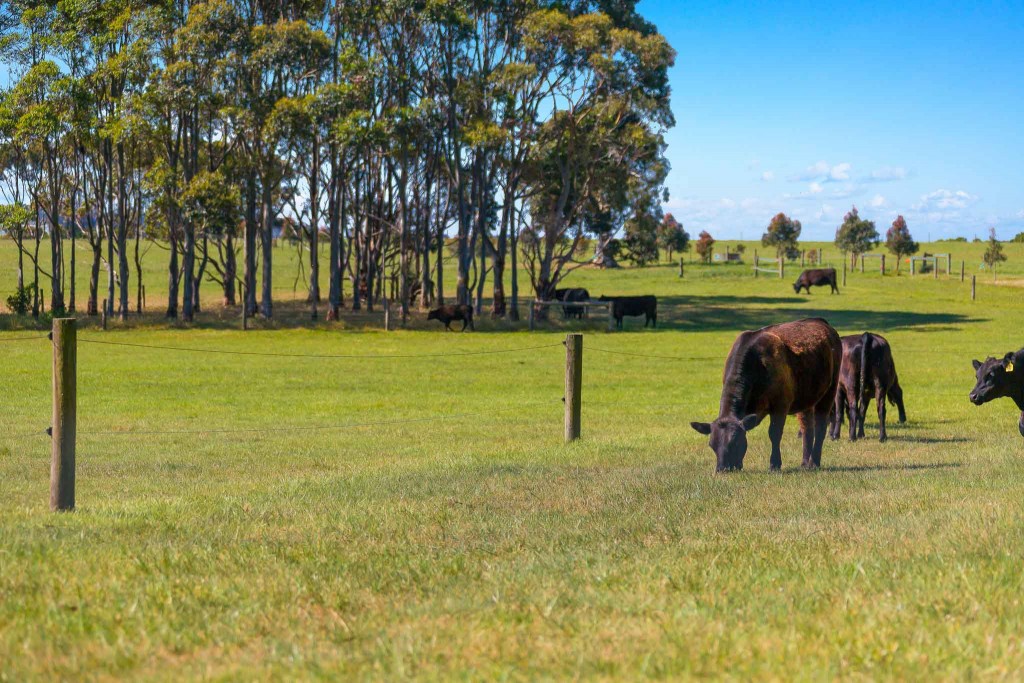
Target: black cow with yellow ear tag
1001,378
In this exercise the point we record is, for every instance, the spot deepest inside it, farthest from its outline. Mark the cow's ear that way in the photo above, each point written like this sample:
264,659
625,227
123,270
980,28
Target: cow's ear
749,422
701,427
976,363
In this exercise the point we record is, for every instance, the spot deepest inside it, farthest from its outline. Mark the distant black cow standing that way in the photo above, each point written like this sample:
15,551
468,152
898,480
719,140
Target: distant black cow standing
572,294
787,369
868,371
447,314
646,306
817,277
1001,378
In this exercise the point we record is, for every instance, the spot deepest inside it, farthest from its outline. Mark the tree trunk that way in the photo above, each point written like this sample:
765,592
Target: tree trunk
267,214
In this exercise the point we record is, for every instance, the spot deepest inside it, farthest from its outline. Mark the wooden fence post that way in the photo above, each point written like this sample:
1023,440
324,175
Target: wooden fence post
387,315
862,263
782,267
844,272
143,299
573,385
913,270
755,263
974,287
935,269
63,424
883,265
803,253
533,308
680,266
103,314
961,271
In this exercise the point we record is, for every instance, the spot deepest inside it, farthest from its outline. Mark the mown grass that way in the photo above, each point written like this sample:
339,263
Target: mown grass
475,544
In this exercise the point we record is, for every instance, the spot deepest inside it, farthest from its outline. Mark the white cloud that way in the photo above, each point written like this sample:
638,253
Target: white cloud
1020,214
942,200
768,176
814,188
840,172
888,173
877,202
824,172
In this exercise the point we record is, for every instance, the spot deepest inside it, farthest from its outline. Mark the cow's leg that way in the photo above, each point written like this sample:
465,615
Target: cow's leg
448,326
838,409
777,422
1020,424
880,399
806,419
863,417
854,415
895,395
820,415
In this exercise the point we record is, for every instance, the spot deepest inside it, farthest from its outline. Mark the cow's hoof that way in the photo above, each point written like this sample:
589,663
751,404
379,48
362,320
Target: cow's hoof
775,468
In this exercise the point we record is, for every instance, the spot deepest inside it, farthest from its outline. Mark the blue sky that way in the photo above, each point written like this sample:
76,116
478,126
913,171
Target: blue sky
811,107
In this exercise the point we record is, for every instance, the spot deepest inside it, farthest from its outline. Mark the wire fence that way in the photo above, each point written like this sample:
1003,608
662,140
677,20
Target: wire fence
650,355
279,354
22,339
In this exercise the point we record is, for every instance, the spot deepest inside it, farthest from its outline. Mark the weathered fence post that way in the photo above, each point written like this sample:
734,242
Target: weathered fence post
533,308
62,426
680,266
862,263
974,287
782,267
143,299
913,270
935,269
573,385
844,272
755,263
387,315
961,271
883,265
103,314
803,253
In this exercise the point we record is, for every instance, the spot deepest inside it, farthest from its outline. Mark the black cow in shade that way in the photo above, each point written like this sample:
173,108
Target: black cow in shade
646,305
572,294
447,314
817,277
1001,378
787,369
868,371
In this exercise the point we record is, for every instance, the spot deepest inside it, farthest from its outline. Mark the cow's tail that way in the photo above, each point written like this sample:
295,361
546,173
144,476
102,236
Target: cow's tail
865,342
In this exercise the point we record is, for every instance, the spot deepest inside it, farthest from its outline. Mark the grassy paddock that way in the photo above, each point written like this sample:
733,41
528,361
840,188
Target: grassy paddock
479,546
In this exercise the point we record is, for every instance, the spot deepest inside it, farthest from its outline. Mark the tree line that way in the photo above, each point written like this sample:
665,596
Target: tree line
380,132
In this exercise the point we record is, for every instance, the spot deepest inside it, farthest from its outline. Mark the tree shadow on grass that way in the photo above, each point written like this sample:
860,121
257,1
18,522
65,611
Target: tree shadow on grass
722,312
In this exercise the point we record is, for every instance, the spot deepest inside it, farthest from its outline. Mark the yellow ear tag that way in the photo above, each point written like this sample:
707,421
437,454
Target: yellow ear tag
1009,366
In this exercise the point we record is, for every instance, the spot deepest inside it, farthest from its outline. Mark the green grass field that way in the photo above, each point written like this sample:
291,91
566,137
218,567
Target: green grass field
474,544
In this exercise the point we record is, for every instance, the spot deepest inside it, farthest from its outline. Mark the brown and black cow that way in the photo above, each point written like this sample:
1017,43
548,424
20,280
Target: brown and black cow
447,314
868,371
787,369
1001,378
816,277
646,305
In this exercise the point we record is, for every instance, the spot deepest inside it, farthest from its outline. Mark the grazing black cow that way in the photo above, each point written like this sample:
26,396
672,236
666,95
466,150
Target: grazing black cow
572,294
867,372
646,306
998,378
447,314
816,277
787,369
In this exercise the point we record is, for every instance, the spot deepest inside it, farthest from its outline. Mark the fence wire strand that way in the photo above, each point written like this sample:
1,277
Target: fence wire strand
20,339
298,428
649,355
276,354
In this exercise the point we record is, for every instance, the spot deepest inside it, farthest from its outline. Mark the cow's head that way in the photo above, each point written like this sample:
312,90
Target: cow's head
996,378
796,286
728,439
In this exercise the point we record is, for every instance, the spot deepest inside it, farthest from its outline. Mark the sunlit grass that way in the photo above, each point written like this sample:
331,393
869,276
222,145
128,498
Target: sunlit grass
479,545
